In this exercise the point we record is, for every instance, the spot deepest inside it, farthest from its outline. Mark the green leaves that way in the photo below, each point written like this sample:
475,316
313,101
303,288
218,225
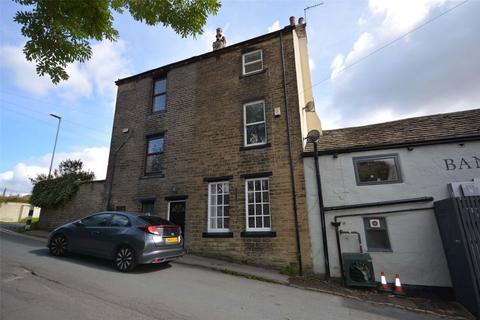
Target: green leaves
55,192
60,31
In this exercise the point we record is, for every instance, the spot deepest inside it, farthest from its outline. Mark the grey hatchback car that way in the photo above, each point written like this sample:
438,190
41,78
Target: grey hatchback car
127,238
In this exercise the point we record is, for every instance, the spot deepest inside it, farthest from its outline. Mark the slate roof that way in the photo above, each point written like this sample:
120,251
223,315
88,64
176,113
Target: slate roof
420,130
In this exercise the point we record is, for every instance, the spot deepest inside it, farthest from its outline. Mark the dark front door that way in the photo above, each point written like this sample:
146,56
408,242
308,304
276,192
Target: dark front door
176,214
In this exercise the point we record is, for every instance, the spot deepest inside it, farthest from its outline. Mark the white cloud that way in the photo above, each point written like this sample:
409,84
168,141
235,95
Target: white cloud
97,75
274,27
430,72
17,179
401,16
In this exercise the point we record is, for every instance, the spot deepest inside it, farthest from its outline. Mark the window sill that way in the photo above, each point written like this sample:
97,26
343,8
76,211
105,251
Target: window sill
153,176
217,235
376,183
156,113
259,146
258,234
380,250
253,73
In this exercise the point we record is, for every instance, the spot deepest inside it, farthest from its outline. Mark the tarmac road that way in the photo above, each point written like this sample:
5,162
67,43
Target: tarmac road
35,285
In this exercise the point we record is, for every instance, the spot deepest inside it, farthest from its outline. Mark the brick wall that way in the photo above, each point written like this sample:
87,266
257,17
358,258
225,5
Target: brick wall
203,129
88,199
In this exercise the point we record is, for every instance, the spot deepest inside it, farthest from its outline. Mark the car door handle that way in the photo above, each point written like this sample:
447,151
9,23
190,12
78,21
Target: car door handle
95,233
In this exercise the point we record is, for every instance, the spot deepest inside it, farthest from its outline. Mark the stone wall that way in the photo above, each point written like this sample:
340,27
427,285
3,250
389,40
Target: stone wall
203,131
88,199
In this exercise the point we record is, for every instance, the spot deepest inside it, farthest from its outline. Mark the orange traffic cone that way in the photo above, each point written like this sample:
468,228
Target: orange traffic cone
398,286
383,283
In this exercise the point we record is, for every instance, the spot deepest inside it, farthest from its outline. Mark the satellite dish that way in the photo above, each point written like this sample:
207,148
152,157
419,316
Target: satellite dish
310,107
313,136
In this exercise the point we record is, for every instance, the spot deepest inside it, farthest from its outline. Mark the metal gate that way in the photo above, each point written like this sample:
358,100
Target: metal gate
459,224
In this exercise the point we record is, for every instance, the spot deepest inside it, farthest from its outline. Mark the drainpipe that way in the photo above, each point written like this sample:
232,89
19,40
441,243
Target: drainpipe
114,161
336,224
290,160
322,211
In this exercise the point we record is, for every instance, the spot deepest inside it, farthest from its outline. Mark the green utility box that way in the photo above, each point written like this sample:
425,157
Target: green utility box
358,270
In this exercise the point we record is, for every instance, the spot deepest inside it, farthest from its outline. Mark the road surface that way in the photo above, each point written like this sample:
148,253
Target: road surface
35,285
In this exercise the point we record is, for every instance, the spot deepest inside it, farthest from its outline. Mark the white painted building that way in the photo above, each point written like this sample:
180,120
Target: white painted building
381,181
16,211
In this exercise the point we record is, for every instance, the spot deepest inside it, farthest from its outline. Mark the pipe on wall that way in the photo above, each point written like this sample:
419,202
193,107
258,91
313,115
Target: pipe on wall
290,160
336,224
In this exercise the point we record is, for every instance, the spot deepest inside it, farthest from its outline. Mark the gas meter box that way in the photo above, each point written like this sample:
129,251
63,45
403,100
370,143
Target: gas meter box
358,270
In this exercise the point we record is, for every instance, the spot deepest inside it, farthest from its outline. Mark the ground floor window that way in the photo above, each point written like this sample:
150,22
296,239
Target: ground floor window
218,207
257,204
376,233
148,206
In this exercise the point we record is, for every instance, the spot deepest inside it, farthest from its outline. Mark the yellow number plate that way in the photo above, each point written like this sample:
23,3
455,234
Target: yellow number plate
171,240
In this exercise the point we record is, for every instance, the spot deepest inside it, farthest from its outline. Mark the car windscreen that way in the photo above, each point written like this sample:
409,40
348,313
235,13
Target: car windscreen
155,221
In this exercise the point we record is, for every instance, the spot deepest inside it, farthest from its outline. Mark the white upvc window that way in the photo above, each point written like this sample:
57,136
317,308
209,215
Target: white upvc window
255,129
218,207
257,203
252,62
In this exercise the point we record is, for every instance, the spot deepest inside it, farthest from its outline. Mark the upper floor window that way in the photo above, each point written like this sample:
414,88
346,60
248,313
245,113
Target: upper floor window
218,207
154,158
252,62
258,204
255,130
377,169
159,94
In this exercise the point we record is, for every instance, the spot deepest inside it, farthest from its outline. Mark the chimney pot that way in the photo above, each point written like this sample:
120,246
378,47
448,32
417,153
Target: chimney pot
301,20
292,21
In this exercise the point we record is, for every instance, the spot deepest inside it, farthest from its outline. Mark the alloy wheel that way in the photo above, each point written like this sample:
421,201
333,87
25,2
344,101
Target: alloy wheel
124,261
58,245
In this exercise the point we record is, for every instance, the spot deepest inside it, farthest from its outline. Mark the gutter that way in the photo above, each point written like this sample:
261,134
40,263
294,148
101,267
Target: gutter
334,152
209,54
114,161
290,159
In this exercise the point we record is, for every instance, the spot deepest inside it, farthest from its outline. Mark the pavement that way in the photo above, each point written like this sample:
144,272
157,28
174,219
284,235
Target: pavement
445,310
36,285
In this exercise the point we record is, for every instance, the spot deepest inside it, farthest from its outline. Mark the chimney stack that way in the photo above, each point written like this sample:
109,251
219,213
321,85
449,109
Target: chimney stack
220,41
292,21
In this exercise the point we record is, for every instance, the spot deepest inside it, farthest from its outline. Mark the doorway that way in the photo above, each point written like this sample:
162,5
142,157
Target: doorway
176,213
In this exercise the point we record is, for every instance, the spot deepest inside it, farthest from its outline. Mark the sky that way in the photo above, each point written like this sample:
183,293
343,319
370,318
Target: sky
371,61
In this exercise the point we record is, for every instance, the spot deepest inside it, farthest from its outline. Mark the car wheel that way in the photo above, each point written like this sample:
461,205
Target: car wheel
125,259
58,245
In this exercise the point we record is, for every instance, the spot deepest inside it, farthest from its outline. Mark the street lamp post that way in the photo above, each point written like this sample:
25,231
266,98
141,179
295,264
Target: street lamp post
55,145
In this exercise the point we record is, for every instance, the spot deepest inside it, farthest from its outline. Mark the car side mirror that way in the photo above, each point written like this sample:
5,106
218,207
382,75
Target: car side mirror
78,223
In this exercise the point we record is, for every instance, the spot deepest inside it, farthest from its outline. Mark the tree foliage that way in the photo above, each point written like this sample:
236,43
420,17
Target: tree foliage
60,31
61,187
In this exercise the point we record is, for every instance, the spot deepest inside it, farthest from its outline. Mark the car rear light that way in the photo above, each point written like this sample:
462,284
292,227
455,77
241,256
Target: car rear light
150,229
159,229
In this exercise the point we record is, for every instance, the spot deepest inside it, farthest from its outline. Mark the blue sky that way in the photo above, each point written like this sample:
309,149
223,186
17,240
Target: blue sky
431,70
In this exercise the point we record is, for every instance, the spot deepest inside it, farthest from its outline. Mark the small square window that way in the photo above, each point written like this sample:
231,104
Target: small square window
148,206
376,234
377,169
252,62
159,95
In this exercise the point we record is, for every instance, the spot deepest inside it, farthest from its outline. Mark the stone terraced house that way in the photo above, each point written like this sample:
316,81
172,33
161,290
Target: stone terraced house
214,143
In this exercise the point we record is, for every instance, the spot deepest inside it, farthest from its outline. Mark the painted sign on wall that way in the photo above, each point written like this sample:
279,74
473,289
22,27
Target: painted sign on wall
462,163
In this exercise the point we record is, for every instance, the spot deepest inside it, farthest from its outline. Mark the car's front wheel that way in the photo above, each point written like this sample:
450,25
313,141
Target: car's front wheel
58,245
125,259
